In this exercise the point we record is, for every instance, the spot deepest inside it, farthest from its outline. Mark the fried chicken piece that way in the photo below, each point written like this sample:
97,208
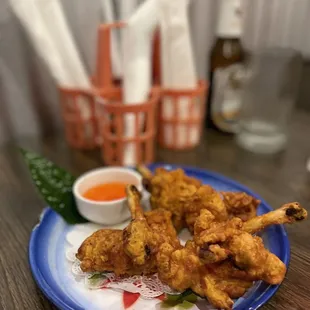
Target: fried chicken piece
104,251
178,268
143,236
216,296
159,221
137,235
249,254
185,197
219,232
229,270
203,221
169,190
234,288
213,253
204,198
182,269
240,205
233,239
208,232
289,213
205,229
133,250
240,259
221,287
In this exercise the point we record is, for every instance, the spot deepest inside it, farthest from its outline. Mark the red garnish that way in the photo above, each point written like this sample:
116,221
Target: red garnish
162,297
129,299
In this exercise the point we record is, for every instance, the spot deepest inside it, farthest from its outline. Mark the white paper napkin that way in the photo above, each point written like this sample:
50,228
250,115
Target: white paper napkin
109,17
48,30
178,67
53,15
137,66
30,17
125,8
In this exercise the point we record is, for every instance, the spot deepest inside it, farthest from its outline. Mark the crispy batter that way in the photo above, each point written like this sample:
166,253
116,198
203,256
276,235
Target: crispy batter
137,235
203,221
219,232
228,270
178,268
204,198
159,221
234,288
206,225
103,251
240,204
232,238
182,269
221,261
185,197
133,250
249,254
289,213
169,190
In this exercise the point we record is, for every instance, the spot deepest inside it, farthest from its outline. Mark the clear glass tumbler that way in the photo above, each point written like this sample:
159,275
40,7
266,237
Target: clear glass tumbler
269,94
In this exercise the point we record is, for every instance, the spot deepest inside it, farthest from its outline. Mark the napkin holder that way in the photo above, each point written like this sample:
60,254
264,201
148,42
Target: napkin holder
105,128
196,99
112,111
80,132
111,116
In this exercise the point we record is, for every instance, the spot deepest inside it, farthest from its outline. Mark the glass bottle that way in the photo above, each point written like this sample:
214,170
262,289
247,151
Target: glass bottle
226,69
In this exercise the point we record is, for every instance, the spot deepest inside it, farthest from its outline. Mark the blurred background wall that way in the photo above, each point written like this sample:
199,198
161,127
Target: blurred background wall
28,95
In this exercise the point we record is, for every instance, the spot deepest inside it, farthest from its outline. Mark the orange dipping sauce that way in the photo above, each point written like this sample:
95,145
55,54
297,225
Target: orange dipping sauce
106,192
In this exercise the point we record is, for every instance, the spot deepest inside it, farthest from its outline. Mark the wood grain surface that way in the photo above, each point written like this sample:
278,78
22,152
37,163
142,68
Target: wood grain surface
278,179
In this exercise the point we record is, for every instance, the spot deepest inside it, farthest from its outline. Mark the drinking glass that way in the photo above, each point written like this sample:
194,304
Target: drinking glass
269,94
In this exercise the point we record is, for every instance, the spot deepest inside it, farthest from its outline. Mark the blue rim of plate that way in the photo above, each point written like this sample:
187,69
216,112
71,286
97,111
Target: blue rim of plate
60,300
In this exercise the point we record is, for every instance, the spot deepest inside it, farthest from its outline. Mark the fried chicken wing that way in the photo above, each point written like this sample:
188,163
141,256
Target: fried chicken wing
104,251
233,239
169,190
159,221
179,268
182,269
222,260
209,231
143,236
204,198
137,235
219,232
216,296
240,204
133,250
221,289
228,270
249,254
287,214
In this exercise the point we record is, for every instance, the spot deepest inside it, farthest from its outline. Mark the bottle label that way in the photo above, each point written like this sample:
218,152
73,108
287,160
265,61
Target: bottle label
226,97
229,19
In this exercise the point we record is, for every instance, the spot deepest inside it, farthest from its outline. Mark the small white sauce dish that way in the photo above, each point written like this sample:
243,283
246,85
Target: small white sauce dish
105,212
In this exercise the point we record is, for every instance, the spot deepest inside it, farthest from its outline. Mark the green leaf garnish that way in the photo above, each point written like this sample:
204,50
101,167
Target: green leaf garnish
186,300
55,185
96,281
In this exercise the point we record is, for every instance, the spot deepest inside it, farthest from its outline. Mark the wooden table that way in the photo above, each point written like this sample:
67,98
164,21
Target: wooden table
278,179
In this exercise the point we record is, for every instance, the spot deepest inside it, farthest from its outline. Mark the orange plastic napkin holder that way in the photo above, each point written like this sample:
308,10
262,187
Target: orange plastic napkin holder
196,99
